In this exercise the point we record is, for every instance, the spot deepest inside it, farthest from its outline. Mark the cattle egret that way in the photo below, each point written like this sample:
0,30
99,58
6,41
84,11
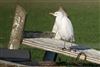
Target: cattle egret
63,27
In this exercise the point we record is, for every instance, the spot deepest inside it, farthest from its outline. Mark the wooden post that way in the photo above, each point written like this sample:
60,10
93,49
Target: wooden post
17,28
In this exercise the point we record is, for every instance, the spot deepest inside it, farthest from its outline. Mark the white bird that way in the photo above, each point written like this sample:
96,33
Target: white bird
63,27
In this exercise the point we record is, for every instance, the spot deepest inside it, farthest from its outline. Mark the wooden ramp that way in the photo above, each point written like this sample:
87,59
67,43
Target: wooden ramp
54,45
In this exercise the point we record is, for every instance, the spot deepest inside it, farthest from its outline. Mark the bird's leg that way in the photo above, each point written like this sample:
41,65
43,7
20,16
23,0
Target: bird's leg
64,48
70,46
72,49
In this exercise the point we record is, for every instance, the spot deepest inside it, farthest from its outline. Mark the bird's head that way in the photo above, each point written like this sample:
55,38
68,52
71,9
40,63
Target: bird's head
60,12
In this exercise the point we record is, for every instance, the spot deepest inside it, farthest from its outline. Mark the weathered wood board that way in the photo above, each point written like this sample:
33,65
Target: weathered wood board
54,45
17,28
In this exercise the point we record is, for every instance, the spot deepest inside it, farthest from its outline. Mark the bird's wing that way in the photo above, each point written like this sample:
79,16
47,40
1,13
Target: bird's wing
69,24
67,29
71,30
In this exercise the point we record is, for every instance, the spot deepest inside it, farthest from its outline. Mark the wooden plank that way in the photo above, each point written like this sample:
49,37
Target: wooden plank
17,28
54,45
48,56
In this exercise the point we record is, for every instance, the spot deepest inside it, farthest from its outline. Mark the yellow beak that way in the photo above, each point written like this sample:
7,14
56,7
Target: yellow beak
51,13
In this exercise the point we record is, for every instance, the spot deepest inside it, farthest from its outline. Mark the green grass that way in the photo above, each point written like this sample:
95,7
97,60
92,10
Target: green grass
85,17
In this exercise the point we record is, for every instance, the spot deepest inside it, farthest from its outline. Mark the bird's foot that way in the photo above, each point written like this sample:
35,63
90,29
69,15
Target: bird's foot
63,48
67,49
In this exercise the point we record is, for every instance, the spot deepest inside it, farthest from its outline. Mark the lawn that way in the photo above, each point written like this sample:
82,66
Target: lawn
84,14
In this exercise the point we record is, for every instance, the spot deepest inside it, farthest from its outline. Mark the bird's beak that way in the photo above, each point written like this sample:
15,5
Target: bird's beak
51,13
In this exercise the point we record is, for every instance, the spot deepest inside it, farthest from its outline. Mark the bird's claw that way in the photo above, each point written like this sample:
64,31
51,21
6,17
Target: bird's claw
68,49
63,48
